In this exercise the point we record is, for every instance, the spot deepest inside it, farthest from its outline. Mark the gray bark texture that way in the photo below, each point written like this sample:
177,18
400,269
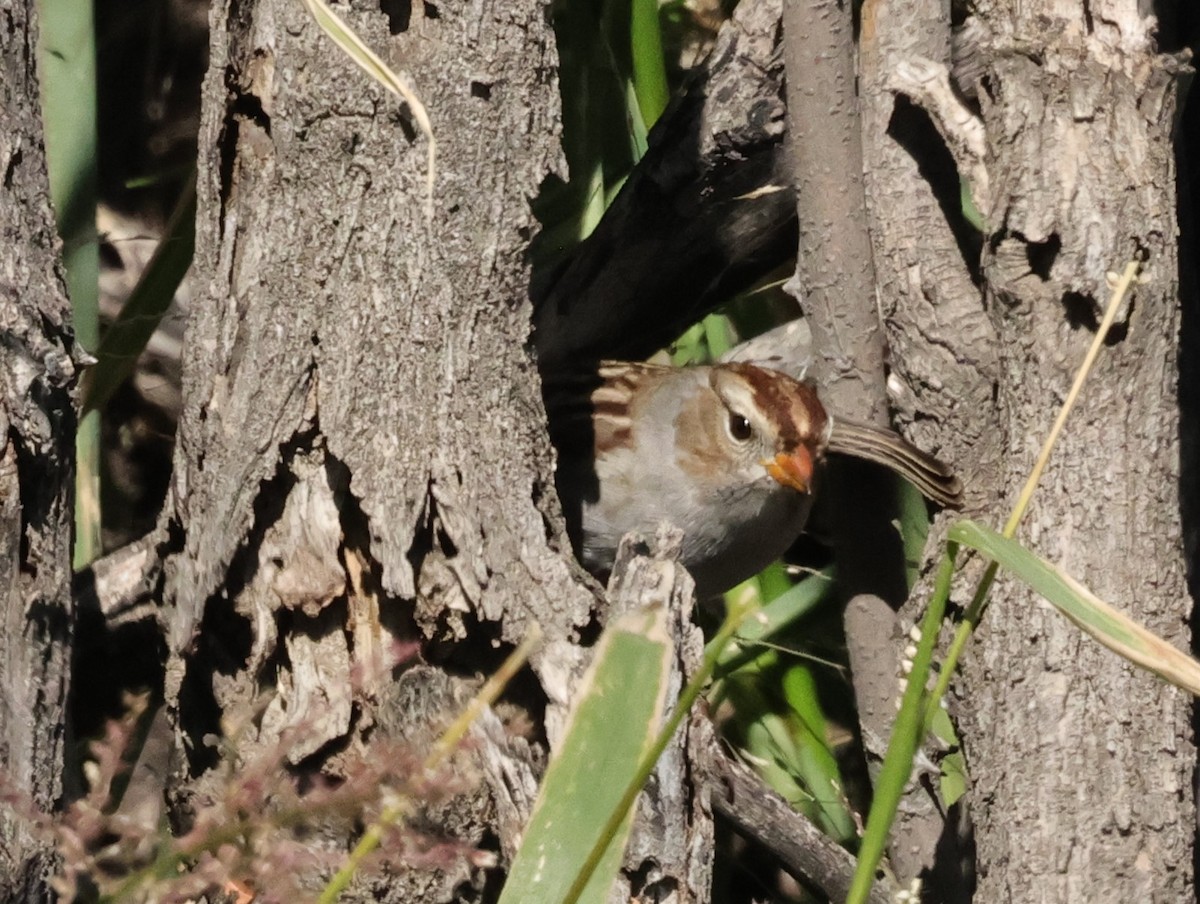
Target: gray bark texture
924,258
362,462
37,466
836,282
1082,766
803,850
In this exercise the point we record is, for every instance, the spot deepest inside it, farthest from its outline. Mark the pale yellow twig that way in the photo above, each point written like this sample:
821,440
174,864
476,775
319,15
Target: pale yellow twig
444,746
1110,314
975,610
355,48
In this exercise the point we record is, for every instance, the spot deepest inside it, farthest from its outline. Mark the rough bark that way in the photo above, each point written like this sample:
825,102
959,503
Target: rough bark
942,349
669,857
941,353
362,458
37,463
1081,765
757,812
303,488
833,268
836,282
1109,512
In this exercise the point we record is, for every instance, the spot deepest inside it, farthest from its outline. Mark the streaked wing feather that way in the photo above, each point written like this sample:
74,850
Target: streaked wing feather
588,408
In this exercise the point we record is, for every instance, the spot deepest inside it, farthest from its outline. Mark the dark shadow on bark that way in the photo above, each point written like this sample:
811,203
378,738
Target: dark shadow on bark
224,638
1187,32
399,14
912,129
707,211
953,870
223,645
107,663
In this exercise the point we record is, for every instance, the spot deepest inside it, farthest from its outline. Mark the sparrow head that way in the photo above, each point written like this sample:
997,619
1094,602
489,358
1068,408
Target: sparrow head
772,423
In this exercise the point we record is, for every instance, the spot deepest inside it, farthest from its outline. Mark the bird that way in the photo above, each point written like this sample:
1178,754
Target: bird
728,453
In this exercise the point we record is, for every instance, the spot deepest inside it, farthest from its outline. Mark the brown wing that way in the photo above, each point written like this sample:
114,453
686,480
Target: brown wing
588,409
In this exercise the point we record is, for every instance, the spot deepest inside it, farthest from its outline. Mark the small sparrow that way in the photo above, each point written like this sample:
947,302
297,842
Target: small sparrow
727,453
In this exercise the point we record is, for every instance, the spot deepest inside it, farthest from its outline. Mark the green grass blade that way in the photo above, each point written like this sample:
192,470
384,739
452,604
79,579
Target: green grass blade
142,312
969,211
614,722
68,71
649,66
905,739
67,60
775,617
955,778
717,334
913,524
817,765
1110,627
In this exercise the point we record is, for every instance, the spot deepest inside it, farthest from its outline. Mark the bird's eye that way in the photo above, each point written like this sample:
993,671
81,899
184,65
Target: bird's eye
739,427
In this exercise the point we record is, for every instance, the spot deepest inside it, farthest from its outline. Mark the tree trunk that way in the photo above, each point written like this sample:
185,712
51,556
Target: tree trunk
362,459
37,466
362,464
1081,765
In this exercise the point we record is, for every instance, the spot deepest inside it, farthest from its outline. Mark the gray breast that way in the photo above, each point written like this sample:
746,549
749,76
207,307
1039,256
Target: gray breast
768,524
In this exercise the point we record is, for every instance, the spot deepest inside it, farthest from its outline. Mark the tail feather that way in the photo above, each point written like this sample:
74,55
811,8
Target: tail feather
932,477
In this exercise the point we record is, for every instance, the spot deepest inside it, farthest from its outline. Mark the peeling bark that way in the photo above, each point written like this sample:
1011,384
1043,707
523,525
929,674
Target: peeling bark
362,464
1081,766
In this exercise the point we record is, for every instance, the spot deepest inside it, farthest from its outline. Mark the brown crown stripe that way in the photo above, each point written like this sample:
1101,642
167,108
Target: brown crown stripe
778,392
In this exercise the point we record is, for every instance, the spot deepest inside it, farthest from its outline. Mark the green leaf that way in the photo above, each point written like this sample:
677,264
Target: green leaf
613,724
970,212
690,348
67,60
913,526
955,779
906,738
1112,628
649,66
778,615
717,335
817,765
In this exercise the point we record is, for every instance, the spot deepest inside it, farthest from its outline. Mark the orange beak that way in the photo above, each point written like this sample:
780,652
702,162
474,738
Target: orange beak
793,470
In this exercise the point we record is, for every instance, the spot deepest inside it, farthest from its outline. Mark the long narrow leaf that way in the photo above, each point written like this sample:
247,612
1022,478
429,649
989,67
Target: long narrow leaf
649,66
816,761
142,312
67,60
614,721
775,617
906,738
1114,629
